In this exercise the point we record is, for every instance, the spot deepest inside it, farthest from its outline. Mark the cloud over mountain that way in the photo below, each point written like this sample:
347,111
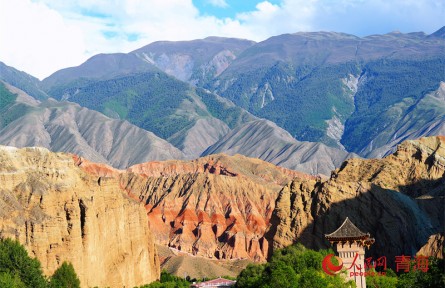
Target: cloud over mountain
84,28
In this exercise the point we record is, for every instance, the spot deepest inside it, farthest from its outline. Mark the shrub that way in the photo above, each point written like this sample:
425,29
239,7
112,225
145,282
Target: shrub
65,277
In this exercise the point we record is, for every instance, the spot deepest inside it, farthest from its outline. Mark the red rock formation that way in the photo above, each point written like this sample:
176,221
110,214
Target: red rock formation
229,207
96,169
218,206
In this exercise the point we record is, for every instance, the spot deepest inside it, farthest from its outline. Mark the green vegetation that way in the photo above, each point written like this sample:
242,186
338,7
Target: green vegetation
433,278
64,277
307,95
396,85
293,266
23,81
9,109
168,281
148,100
230,114
6,97
9,280
153,101
18,270
304,97
296,266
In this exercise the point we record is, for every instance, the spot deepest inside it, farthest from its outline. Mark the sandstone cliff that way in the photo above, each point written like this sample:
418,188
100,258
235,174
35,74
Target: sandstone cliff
399,200
63,207
61,213
434,246
217,206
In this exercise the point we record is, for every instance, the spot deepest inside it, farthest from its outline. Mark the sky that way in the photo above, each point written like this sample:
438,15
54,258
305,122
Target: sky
43,36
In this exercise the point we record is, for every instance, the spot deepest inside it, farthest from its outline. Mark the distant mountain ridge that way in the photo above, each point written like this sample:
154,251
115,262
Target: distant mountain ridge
264,140
67,127
195,61
327,86
22,80
360,95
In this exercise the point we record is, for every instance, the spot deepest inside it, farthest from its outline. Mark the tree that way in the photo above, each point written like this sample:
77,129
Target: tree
250,277
293,266
17,266
168,280
389,280
434,277
7,280
65,277
313,279
282,275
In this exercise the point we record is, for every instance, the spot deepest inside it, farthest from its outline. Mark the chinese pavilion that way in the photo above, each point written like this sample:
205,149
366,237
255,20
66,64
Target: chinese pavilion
350,243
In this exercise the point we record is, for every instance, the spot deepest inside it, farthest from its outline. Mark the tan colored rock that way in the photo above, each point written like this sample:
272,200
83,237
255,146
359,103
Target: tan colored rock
399,200
217,206
61,213
434,246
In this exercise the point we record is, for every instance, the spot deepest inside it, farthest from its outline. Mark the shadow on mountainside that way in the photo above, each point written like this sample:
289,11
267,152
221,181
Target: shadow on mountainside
400,224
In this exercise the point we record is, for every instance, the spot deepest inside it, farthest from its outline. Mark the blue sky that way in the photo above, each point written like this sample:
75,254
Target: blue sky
43,36
226,8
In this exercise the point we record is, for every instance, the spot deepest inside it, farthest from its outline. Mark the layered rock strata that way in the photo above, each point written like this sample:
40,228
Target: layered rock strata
217,206
63,207
61,213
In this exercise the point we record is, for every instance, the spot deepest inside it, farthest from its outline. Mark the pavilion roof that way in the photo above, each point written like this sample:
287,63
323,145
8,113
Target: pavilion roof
347,231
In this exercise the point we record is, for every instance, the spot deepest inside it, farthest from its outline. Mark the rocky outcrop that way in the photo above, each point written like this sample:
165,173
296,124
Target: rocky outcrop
399,200
217,206
61,213
195,61
434,246
63,207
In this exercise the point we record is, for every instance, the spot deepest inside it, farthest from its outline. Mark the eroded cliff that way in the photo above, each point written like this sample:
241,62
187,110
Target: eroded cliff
63,207
399,200
217,206
62,213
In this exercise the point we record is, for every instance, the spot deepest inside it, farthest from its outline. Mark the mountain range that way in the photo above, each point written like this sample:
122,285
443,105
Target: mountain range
183,151
306,101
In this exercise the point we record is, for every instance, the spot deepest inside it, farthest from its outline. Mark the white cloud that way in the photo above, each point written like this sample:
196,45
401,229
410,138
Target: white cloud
42,36
37,39
218,3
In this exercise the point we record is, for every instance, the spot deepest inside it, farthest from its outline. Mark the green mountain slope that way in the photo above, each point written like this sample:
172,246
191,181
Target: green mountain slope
163,105
349,92
389,90
333,87
22,80
67,127
411,119
98,67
